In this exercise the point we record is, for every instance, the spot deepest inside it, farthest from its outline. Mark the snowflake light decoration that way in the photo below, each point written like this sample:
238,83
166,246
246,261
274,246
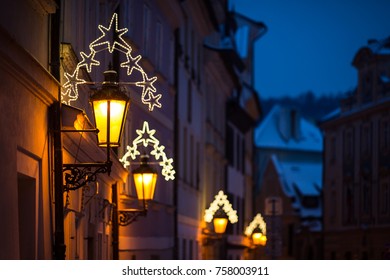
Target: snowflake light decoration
146,138
258,221
70,89
221,201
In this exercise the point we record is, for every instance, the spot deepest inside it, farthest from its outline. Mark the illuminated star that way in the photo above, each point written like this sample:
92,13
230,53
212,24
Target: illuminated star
153,100
158,151
88,61
131,63
167,163
145,136
131,152
146,84
169,174
72,83
119,44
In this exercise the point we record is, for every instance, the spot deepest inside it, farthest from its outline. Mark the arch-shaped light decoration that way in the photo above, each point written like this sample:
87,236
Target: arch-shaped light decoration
70,89
257,222
146,138
221,201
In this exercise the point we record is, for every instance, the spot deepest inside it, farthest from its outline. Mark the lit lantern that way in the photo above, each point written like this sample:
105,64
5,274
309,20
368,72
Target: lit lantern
258,238
110,105
220,222
145,178
263,240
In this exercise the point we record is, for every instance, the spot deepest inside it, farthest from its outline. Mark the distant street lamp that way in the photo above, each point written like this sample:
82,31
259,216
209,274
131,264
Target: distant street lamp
220,221
145,178
257,231
258,238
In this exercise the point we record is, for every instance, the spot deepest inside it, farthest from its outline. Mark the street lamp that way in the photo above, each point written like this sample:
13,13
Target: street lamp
219,212
257,231
110,105
220,221
145,178
258,238
108,122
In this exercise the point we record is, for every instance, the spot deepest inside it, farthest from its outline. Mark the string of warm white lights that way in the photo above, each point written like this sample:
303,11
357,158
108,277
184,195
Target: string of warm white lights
146,138
221,200
257,221
70,89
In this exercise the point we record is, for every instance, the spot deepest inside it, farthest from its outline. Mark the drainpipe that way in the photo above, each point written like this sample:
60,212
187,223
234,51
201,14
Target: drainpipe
115,225
176,145
59,247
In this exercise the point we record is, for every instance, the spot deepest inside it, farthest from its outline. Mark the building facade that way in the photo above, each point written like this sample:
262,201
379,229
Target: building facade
289,184
356,173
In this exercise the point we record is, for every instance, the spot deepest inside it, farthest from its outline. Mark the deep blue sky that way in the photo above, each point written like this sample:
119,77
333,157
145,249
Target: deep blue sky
310,44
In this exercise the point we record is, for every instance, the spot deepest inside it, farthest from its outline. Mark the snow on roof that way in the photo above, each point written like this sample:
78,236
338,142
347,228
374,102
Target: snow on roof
275,131
300,180
305,176
332,115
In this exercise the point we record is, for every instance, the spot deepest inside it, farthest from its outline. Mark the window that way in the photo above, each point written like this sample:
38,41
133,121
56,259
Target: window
185,157
333,207
230,144
191,159
366,139
349,203
384,139
332,153
310,201
184,249
197,175
366,198
189,101
384,198
26,216
190,247
348,145
146,28
159,46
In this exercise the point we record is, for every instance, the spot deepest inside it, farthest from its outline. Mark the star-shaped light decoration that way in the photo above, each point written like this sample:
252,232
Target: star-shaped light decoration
88,61
111,39
132,63
119,43
71,85
257,221
131,152
146,84
221,200
146,138
152,101
158,151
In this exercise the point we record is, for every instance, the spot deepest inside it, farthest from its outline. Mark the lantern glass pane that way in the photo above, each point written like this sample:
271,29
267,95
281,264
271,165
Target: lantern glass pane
145,184
220,225
256,237
100,113
117,111
117,116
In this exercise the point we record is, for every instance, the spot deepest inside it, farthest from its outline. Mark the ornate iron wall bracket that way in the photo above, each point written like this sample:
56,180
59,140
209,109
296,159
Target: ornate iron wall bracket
127,216
79,175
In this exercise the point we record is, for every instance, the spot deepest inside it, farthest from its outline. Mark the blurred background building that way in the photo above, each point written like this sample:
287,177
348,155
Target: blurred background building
356,163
